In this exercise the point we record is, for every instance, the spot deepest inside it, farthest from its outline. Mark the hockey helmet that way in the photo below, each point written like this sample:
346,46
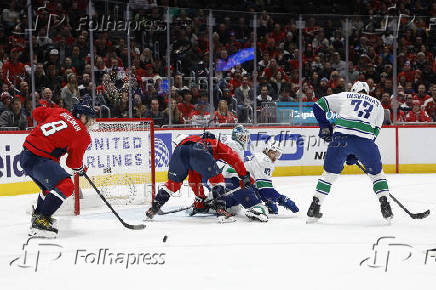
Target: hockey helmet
240,135
80,109
273,145
360,86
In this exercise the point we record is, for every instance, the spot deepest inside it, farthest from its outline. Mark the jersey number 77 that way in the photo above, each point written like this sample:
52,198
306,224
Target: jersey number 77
367,108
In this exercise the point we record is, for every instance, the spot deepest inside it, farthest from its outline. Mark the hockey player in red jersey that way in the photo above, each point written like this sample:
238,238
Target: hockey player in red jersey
199,153
58,132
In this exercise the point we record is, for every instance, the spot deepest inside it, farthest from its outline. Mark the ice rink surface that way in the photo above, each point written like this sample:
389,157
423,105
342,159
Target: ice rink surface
350,248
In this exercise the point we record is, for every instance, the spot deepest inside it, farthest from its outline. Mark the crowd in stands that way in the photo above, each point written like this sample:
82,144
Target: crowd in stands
62,62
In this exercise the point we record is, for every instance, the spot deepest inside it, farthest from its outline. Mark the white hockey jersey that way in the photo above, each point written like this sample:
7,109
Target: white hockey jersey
227,170
356,114
261,168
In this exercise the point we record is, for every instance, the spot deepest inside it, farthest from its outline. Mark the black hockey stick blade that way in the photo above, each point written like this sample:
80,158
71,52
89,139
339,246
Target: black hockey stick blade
129,226
421,215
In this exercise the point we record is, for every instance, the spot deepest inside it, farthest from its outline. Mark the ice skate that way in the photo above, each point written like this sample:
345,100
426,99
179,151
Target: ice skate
152,211
42,227
386,209
314,213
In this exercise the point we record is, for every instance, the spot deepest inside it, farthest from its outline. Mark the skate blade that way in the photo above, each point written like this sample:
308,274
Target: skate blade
37,233
226,220
312,220
389,220
147,219
257,217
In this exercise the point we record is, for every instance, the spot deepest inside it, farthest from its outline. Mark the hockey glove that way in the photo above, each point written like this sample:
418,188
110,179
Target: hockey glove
272,207
80,171
326,133
288,204
208,135
246,181
351,159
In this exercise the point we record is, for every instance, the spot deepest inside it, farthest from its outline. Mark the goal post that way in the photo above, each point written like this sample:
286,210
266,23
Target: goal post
121,163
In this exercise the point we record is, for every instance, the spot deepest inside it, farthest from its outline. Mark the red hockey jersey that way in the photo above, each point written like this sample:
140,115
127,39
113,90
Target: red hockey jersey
57,133
219,151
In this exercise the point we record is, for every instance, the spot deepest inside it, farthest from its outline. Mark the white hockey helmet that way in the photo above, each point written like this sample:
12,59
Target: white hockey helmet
360,86
273,145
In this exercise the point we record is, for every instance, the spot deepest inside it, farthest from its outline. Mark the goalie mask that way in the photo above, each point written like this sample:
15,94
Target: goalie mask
273,150
240,135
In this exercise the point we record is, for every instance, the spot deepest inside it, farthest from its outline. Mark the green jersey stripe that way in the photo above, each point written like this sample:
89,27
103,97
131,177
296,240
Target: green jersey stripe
323,104
357,125
262,184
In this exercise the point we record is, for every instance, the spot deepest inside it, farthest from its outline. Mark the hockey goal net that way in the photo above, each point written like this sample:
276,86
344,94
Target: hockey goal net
121,163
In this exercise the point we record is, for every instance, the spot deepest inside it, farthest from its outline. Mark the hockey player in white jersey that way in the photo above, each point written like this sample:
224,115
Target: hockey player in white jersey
261,166
358,118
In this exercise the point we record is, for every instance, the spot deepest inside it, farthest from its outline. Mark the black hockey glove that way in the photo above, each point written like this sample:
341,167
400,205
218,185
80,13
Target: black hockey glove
326,133
245,180
351,159
208,135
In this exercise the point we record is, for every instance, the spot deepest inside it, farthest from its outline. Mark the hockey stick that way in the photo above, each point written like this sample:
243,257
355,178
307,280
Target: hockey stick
420,215
129,226
160,212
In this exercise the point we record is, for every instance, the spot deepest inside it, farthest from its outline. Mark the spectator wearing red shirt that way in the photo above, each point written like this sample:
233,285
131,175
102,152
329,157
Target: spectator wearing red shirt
223,115
13,70
186,107
417,114
430,104
272,69
309,95
421,96
46,99
200,116
407,72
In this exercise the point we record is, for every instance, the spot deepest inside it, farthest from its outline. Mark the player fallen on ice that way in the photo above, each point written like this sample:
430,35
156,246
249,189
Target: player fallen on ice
199,153
237,141
357,123
58,132
260,166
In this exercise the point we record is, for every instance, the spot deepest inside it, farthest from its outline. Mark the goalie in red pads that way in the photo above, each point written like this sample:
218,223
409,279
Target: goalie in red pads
199,154
58,132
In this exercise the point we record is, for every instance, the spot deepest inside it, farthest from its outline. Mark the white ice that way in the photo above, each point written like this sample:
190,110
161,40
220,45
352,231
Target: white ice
284,253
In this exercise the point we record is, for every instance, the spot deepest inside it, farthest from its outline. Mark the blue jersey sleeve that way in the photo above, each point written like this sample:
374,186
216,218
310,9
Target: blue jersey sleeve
320,116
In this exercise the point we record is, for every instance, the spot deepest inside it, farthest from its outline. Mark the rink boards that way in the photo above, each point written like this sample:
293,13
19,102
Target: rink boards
403,150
